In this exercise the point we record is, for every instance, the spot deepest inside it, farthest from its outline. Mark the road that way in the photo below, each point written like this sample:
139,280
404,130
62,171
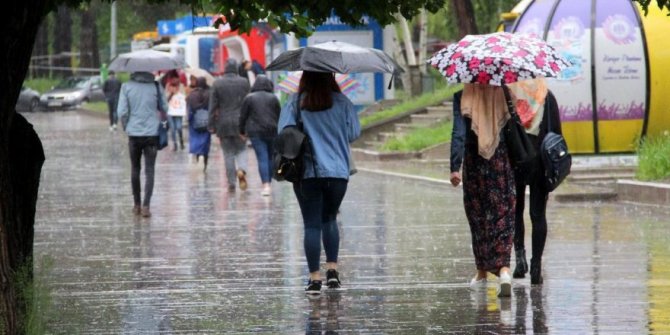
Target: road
213,262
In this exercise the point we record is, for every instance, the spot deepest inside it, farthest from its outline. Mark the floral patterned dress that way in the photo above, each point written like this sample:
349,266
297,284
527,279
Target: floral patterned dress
490,200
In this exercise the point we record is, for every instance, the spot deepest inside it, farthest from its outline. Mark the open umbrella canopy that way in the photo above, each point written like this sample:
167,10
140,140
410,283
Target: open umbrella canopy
291,83
338,57
198,73
145,60
497,59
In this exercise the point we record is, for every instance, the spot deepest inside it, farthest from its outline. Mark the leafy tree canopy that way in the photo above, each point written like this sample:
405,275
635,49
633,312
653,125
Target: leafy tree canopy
661,4
297,16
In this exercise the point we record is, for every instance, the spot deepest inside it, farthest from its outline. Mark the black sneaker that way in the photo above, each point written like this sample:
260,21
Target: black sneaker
313,287
332,279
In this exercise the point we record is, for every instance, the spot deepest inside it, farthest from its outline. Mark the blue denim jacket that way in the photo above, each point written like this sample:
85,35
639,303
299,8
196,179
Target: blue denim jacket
330,132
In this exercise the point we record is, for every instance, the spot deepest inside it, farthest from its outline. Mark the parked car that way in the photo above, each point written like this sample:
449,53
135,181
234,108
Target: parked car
72,92
29,100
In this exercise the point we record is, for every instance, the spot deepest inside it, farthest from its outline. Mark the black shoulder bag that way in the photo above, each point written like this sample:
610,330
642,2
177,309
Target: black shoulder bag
556,159
519,145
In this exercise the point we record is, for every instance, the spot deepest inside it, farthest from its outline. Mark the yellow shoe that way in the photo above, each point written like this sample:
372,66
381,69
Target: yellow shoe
242,179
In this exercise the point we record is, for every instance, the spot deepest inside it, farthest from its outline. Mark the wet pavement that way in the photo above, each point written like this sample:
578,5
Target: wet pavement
213,262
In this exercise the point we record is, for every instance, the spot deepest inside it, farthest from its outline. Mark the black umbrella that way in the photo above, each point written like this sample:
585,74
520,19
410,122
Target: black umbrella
338,57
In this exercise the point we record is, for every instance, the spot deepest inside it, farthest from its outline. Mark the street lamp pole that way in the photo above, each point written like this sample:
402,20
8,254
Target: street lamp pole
112,40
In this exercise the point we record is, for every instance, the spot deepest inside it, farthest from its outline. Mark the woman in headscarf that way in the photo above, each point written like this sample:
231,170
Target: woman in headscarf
480,114
199,141
538,109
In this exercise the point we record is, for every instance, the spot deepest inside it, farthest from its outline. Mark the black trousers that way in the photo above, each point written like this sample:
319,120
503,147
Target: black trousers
531,175
139,146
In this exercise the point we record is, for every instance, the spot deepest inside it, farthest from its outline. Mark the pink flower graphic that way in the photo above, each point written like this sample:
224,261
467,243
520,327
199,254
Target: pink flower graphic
521,53
474,63
510,77
483,78
497,49
451,69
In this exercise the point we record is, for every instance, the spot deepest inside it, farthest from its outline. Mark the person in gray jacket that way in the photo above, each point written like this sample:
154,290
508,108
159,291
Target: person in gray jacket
225,102
258,120
139,100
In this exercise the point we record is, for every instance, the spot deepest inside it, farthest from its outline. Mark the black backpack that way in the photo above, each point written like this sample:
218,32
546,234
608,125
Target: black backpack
290,147
556,159
289,151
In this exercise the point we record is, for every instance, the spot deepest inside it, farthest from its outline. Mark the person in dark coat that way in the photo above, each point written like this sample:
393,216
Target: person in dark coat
532,174
112,88
258,121
225,102
489,197
199,141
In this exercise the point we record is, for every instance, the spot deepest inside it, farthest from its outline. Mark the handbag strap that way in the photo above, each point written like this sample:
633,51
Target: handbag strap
300,126
510,105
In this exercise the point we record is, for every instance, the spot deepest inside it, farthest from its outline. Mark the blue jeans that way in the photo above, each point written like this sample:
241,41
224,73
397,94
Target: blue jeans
263,148
176,124
319,200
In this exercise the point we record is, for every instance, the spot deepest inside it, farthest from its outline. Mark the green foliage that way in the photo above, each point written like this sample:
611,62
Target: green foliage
426,99
40,84
442,24
420,138
35,295
654,158
660,3
97,106
302,17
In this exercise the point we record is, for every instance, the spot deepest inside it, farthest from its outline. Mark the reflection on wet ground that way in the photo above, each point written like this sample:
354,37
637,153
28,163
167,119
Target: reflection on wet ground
212,262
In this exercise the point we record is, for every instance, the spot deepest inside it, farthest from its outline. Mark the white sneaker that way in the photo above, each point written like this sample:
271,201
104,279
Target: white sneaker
111,128
477,284
266,191
114,127
505,287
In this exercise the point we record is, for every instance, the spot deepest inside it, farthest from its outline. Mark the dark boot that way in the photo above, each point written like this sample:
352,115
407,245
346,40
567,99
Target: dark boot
521,264
181,143
536,271
205,161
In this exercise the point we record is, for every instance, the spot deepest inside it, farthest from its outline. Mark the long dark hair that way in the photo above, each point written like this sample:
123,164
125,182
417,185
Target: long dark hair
316,88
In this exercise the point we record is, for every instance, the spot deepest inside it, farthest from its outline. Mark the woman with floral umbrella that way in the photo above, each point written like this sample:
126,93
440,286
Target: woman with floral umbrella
484,63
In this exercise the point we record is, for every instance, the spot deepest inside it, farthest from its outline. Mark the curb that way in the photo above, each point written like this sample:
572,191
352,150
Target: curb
640,192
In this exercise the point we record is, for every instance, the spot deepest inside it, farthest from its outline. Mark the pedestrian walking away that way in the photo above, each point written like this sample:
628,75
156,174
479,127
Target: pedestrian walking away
176,112
112,88
489,197
198,141
258,121
331,123
225,102
537,108
138,101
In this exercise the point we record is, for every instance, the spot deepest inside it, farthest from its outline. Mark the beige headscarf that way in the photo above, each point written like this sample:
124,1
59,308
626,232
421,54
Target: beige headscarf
485,105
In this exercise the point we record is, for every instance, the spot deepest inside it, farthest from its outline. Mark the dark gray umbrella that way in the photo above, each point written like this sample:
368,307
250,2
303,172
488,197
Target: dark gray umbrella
338,57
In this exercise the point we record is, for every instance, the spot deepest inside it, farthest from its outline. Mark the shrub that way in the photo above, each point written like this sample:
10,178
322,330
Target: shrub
654,158
420,138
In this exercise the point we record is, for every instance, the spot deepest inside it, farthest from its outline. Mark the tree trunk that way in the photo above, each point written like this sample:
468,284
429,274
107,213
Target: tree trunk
41,49
88,44
465,17
62,47
423,37
21,158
